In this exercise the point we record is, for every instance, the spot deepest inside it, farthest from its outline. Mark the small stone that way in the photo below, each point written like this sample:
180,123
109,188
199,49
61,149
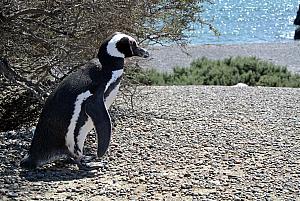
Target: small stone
186,186
151,146
12,194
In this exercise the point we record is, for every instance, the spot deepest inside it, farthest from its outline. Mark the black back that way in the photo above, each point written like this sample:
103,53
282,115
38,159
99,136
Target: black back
49,137
59,107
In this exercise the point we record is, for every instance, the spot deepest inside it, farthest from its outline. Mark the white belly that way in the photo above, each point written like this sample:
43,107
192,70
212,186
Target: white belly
84,130
70,142
111,97
88,126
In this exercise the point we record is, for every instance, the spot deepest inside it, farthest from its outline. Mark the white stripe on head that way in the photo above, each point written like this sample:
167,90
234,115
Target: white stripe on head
70,142
112,49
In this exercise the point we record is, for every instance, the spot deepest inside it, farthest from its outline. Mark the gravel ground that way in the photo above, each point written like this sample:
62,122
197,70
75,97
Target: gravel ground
181,143
166,58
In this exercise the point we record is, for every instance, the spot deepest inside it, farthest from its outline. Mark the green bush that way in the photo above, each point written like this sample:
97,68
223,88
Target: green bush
230,71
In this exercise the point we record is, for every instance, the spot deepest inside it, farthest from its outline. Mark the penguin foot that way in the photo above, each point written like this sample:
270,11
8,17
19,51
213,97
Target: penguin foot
83,163
80,164
84,166
28,163
88,159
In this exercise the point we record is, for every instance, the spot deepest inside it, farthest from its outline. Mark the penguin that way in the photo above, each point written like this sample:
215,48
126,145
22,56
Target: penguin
79,104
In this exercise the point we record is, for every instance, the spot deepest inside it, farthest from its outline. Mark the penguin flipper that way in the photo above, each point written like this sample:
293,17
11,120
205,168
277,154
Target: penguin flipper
97,111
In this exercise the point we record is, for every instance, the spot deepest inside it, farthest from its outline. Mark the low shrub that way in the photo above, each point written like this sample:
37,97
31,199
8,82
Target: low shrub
227,72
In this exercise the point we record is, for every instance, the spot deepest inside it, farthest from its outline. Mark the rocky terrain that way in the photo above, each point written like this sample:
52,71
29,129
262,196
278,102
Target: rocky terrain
180,143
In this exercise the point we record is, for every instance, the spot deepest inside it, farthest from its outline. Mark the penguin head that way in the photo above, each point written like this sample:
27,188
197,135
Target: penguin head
123,46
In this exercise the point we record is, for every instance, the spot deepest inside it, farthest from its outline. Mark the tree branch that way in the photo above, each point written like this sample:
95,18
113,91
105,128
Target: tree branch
12,76
29,11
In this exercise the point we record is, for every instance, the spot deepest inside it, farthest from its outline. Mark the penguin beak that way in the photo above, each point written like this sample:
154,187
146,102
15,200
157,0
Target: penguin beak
141,52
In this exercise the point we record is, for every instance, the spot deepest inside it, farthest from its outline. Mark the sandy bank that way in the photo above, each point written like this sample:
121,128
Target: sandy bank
166,58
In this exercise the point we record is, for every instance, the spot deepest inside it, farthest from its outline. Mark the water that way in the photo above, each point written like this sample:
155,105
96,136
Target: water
248,21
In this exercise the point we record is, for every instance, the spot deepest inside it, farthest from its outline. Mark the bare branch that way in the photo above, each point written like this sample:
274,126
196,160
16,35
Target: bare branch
45,45
29,11
12,76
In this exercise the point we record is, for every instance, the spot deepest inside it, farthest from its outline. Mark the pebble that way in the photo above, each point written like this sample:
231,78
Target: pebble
192,142
12,194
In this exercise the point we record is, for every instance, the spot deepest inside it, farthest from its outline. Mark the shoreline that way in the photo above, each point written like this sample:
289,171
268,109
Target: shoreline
165,58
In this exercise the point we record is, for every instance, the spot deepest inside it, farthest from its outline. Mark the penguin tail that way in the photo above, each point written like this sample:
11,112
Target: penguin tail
28,163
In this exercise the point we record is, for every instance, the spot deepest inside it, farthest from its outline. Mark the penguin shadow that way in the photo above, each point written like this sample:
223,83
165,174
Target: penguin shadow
57,172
